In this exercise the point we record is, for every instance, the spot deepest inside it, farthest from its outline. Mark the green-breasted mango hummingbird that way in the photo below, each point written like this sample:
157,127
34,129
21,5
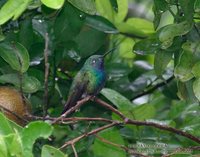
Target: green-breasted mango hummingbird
88,81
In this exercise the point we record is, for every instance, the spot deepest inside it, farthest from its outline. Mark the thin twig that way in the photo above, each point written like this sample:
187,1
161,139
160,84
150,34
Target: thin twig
106,105
144,123
46,50
71,119
74,150
70,142
152,89
14,114
126,149
164,127
72,109
114,144
20,74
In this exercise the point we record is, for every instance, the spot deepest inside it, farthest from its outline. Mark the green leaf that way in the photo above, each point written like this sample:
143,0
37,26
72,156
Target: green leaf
196,88
29,83
125,48
143,112
89,41
3,148
187,8
127,28
101,24
147,46
183,70
13,8
117,99
195,69
105,9
160,6
162,59
169,32
55,4
122,10
15,55
49,151
141,24
14,144
99,148
68,24
87,6
33,131
186,91
5,127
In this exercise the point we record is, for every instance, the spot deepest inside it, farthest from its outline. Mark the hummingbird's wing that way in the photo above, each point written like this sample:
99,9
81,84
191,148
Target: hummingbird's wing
77,89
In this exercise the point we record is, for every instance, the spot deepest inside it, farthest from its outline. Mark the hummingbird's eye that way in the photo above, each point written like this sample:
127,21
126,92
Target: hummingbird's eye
93,61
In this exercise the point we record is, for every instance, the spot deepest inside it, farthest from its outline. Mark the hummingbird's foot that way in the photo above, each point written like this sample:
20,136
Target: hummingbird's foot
93,97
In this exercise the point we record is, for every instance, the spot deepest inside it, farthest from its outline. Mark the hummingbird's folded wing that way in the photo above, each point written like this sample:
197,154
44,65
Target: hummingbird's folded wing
77,89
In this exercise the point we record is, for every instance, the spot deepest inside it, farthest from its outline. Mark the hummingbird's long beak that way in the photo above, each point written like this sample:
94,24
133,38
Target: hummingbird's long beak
105,54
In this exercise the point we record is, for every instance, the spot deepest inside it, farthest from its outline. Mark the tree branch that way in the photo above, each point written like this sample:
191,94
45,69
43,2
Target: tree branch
152,89
74,150
72,109
145,123
13,113
73,141
46,50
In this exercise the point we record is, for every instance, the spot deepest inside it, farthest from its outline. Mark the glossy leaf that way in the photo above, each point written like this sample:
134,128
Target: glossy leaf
84,38
15,55
117,99
187,8
162,59
55,4
87,6
168,33
147,46
113,135
101,24
183,70
33,131
29,85
49,151
68,24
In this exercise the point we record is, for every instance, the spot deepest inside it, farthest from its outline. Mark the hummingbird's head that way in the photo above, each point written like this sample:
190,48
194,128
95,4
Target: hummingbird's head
96,61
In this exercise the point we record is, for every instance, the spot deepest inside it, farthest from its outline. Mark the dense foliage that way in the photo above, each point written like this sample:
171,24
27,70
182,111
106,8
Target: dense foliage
153,74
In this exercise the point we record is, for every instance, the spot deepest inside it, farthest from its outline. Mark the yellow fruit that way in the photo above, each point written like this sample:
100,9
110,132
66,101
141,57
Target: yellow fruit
12,100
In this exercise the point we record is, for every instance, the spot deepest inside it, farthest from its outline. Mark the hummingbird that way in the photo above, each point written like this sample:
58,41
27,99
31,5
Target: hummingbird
88,81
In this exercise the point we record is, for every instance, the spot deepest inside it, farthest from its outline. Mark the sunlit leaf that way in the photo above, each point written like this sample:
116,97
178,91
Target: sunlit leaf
33,131
5,127
3,149
13,9
49,151
55,4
